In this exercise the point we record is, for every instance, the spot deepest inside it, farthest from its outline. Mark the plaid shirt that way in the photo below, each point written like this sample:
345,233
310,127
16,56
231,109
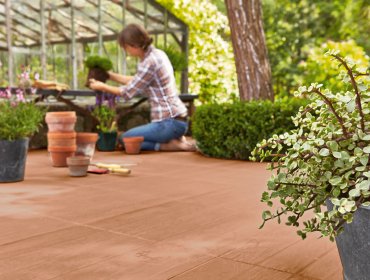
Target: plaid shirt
155,79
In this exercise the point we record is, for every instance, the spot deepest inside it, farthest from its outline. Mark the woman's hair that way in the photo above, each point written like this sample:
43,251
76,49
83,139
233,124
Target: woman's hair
135,36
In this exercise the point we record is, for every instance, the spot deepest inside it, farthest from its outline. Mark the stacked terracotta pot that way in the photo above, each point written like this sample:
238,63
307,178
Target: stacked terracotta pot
61,136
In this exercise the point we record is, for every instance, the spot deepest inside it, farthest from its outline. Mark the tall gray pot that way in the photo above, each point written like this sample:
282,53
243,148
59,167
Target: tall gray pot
354,246
13,156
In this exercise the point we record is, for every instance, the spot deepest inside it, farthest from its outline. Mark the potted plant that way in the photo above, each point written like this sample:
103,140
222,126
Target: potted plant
19,119
98,68
107,127
325,161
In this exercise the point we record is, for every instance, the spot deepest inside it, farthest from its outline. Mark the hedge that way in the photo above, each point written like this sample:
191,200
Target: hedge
232,131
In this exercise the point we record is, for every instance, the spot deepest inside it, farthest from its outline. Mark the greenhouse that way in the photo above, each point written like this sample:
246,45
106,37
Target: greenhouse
54,37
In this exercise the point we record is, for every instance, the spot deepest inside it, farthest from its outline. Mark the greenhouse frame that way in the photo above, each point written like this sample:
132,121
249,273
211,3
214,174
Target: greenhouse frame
35,29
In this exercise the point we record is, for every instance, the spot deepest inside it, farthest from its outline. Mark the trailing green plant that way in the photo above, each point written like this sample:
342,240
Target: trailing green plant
325,158
96,61
106,117
19,117
233,130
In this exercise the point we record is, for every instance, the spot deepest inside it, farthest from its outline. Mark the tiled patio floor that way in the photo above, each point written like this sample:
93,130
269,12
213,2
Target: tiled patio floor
178,216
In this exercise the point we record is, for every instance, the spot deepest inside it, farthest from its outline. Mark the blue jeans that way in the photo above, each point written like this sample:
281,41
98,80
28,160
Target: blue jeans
156,133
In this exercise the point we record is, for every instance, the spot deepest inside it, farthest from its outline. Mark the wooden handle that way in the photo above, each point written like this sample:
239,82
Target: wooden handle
121,171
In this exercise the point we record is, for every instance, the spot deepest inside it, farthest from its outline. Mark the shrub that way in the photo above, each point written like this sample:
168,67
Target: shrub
96,61
233,130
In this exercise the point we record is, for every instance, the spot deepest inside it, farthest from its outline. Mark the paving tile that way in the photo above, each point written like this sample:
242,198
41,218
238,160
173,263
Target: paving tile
300,255
153,262
52,254
327,267
221,269
16,229
178,216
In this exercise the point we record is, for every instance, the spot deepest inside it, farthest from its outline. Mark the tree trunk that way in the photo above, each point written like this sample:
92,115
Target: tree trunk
248,38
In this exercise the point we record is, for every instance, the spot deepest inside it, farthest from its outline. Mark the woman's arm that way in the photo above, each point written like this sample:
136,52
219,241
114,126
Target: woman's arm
122,79
96,85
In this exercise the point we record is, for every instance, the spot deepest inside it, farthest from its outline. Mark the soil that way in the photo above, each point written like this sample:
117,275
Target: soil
97,74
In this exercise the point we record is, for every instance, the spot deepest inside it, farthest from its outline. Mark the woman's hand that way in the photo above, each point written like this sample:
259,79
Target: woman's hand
96,85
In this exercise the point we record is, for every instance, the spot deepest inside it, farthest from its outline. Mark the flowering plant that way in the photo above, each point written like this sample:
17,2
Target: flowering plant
20,117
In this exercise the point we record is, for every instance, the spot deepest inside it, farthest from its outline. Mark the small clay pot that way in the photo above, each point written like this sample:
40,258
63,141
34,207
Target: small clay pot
86,144
61,123
61,139
78,165
59,155
133,144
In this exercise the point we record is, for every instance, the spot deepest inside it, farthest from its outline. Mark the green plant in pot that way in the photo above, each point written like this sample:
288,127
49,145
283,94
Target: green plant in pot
107,127
325,161
19,119
98,68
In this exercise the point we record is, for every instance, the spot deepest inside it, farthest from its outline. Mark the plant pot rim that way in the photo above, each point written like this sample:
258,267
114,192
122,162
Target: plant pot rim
61,149
86,137
61,135
61,114
61,119
133,139
78,160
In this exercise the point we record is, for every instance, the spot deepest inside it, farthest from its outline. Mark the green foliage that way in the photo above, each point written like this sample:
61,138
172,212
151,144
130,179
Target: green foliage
106,117
292,26
212,72
19,120
96,61
178,59
322,69
233,130
325,158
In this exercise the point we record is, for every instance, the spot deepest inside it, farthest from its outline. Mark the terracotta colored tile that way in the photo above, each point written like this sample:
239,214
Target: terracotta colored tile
221,269
300,255
205,212
15,229
157,261
327,267
56,253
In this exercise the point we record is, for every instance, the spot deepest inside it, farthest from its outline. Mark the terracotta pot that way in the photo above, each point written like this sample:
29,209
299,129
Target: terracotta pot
133,144
61,121
61,139
66,124
59,155
78,165
86,143
63,114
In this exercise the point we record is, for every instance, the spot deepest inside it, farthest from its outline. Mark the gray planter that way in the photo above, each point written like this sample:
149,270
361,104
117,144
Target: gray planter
13,160
354,246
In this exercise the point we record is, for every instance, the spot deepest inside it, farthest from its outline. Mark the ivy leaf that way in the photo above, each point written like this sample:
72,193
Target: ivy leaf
367,150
